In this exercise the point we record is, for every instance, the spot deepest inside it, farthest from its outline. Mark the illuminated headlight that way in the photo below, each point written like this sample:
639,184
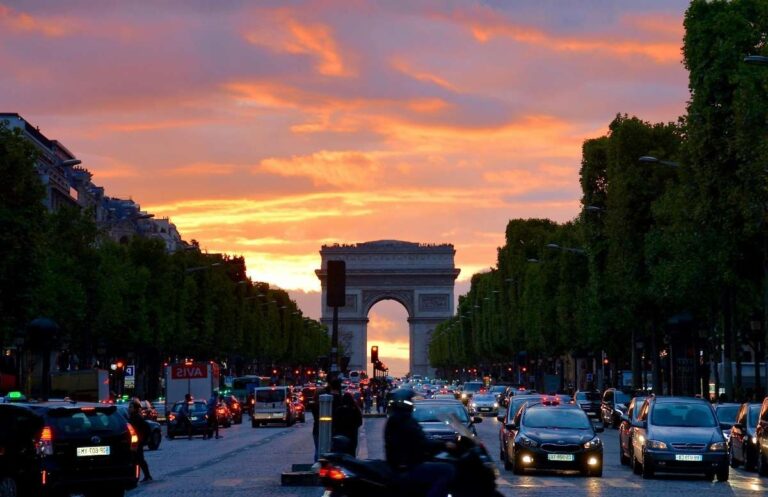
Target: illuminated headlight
527,459
754,440
527,442
656,444
473,404
594,443
463,396
718,446
495,405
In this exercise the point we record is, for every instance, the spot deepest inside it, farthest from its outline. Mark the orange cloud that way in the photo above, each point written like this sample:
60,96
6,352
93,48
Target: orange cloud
288,35
48,27
486,27
327,167
202,169
405,68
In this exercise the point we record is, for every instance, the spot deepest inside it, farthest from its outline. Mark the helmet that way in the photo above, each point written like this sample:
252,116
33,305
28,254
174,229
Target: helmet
401,400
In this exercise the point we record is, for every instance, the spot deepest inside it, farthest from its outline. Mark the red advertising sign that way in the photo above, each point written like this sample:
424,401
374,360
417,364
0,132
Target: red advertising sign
189,371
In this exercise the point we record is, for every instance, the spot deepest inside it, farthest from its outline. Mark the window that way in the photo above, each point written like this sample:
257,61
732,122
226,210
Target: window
683,415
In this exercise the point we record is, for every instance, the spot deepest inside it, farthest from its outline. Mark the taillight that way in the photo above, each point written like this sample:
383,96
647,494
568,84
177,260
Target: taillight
137,471
333,473
171,417
44,446
235,405
133,436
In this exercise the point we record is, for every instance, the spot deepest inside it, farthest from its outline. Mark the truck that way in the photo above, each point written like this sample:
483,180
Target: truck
199,379
85,385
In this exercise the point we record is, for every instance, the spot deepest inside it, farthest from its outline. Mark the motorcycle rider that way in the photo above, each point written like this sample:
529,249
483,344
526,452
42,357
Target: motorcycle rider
408,450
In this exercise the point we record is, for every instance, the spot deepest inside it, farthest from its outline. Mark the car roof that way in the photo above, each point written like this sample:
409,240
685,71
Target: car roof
555,406
438,401
692,400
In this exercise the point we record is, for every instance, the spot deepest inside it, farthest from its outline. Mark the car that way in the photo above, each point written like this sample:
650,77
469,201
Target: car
443,396
485,404
224,416
762,439
469,389
679,435
235,407
19,465
589,401
726,415
308,394
613,406
155,430
198,417
83,448
298,407
159,405
272,405
507,430
431,414
626,453
148,410
500,392
742,446
556,437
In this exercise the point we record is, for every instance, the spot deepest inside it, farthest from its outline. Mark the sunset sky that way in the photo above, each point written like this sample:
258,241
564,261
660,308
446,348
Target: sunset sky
270,128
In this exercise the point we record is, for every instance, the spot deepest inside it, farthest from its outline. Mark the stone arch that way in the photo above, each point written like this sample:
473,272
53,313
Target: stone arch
420,277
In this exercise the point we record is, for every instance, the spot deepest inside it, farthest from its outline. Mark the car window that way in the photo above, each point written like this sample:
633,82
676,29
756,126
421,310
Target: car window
473,387
556,418
270,396
76,421
621,398
432,413
587,396
727,414
683,415
754,412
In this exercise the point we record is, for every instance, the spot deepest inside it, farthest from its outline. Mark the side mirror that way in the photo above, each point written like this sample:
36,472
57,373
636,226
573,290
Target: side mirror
500,418
510,426
599,428
477,419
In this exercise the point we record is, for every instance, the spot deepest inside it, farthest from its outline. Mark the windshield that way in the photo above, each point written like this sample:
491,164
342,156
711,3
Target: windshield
727,414
621,398
433,413
556,418
75,421
484,398
680,414
518,402
472,387
587,396
498,388
754,412
270,396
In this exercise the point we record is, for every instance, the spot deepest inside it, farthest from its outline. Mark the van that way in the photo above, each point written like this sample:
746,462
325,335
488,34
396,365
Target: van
272,405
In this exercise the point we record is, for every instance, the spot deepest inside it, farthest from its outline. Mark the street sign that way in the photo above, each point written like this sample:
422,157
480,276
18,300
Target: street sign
589,376
130,372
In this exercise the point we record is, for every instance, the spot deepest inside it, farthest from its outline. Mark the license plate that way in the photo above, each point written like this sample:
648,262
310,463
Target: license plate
193,418
689,457
485,408
560,457
277,415
590,413
92,451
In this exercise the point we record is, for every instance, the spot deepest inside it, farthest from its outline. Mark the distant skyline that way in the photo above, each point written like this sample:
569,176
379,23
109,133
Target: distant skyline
267,129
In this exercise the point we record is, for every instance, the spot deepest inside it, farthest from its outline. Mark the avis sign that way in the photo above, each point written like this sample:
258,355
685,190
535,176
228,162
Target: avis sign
189,371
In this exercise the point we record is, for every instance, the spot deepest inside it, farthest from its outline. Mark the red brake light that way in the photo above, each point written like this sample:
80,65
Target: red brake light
46,435
133,436
332,473
44,446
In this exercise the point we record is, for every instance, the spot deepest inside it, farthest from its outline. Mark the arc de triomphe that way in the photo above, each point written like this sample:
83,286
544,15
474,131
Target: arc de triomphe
418,276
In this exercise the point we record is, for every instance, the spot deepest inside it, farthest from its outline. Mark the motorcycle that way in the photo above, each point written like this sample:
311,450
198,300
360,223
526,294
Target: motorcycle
345,476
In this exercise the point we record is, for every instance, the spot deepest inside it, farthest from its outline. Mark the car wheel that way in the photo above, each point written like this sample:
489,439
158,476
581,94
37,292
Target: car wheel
762,467
624,460
8,487
154,440
647,470
637,468
722,475
732,462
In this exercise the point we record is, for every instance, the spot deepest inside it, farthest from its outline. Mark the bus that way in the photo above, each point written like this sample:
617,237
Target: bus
242,386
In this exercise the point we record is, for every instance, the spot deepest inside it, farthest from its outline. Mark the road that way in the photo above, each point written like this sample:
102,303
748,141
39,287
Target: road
249,461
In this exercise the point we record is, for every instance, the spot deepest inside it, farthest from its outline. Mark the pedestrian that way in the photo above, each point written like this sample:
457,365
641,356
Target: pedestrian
367,400
213,417
185,413
347,420
141,427
380,401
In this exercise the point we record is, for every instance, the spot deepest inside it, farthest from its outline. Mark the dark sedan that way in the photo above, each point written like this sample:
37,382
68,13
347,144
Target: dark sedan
679,435
431,415
742,446
198,417
613,407
558,437
589,402
507,430
726,415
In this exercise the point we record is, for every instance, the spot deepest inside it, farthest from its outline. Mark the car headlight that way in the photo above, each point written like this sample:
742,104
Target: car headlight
594,443
754,440
655,444
527,442
495,405
463,396
718,446
473,404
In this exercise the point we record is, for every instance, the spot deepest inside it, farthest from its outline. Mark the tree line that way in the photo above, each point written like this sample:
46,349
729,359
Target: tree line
134,301
667,251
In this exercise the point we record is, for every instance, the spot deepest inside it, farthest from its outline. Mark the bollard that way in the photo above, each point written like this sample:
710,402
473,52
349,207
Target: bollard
324,428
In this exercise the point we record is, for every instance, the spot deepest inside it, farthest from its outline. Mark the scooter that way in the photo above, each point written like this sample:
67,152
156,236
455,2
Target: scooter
345,476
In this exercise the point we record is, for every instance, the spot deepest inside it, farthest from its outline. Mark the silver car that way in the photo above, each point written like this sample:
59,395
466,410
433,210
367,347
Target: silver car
484,404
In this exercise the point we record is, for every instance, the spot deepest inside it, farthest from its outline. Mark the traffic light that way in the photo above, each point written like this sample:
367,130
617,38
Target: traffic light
374,354
605,361
524,369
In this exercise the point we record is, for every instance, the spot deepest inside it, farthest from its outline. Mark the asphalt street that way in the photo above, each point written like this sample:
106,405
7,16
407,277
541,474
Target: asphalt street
248,461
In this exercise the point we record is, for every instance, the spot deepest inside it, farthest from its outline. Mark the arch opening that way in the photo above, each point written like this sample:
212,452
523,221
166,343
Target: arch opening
388,329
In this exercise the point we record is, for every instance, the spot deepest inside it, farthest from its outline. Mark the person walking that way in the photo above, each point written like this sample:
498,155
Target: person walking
142,431
347,420
184,414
